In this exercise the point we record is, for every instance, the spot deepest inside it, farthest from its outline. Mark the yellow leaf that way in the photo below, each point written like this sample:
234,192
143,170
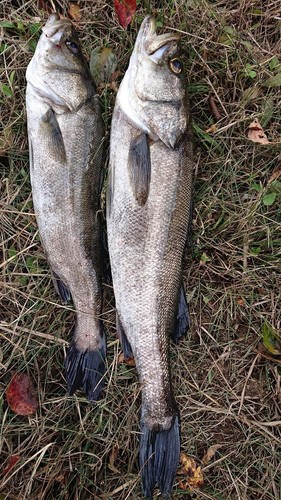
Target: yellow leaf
194,475
271,339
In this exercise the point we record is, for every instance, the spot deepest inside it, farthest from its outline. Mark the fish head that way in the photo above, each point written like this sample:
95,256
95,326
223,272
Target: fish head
58,69
156,85
59,45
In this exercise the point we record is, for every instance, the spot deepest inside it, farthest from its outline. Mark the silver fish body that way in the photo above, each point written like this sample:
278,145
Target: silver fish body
148,211
65,133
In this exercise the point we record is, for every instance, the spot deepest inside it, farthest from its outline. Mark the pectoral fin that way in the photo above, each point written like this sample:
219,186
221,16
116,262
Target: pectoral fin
182,318
53,135
140,168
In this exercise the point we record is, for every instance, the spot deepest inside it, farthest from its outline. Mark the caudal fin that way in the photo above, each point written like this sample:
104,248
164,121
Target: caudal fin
159,458
85,369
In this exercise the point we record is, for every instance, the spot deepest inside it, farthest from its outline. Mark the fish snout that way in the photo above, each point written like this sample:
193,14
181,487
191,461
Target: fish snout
55,27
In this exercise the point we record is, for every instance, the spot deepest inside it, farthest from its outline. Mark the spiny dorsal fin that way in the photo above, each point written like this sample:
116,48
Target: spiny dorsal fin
140,168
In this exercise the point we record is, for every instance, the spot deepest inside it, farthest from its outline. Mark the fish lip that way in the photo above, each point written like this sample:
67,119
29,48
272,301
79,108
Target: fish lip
152,41
56,25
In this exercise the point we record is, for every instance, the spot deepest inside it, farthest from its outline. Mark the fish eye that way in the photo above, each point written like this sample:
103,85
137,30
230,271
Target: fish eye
73,47
175,65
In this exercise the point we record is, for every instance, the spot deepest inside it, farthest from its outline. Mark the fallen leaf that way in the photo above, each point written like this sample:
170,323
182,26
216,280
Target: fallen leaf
210,453
256,134
20,395
13,460
103,64
125,9
275,175
273,81
194,474
214,109
212,129
240,302
269,198
261,352
271,339
112,458
6,140
74,11
126,361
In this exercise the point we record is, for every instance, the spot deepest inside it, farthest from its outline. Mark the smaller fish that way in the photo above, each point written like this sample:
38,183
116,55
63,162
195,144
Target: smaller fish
65,133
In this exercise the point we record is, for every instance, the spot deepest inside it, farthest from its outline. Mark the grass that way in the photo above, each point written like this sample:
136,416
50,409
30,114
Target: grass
227,385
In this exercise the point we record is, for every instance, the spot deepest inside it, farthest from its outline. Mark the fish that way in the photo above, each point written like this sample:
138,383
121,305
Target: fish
148,217
66,137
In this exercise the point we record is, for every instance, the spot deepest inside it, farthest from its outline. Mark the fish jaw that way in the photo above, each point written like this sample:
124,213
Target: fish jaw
58,53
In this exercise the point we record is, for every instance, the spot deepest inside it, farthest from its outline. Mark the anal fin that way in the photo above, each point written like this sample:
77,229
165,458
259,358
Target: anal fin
61,288
125,344
182,321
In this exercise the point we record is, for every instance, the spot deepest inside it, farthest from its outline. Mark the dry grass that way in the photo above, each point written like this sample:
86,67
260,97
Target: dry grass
228,392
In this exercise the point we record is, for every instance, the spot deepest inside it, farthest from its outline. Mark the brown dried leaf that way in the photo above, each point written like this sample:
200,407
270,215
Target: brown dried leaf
112,458
194,474
240,302
210,453
275,175
74,11
256,134
212,129
214,109
125,361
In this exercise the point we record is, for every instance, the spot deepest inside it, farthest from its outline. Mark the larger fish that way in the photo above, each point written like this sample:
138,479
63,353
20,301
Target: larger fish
65,144
148,210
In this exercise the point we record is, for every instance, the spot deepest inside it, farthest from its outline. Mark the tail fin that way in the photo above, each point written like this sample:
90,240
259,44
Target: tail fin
159,458
85,369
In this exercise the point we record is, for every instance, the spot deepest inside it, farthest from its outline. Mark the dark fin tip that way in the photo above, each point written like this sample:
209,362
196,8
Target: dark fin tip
85,369
182,321
125,344
61,288
159,458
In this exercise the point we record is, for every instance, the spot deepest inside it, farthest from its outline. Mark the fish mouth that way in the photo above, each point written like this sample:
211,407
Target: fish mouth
152,41
55,27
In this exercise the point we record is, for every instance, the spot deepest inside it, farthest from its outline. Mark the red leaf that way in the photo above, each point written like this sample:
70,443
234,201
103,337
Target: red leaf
125,9
21,396
13,460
